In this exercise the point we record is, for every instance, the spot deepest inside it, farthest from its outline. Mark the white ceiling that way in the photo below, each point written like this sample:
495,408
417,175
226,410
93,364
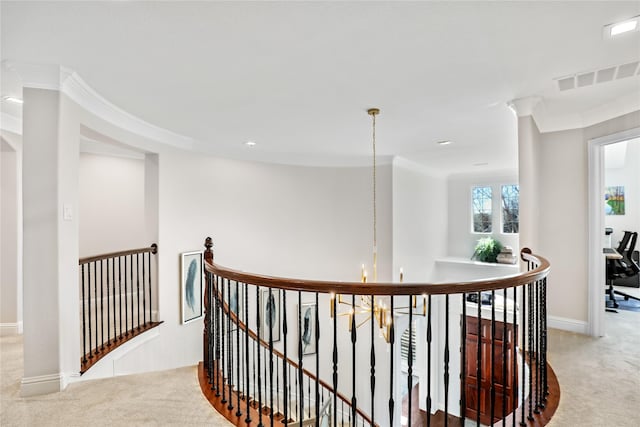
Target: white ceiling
298,77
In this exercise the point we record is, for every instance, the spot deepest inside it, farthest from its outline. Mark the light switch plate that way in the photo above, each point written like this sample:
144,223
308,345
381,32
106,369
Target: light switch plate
67,212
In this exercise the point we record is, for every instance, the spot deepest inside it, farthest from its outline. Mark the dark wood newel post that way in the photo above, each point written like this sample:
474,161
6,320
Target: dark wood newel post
208,257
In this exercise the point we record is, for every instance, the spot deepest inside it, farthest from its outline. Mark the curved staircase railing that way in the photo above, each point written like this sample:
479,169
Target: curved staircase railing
280,352
116,294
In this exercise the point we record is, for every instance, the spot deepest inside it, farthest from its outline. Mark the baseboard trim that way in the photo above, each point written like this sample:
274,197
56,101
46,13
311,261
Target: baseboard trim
10,328
571,325
42,384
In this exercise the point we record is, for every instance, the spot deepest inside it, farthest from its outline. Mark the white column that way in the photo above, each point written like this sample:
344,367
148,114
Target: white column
528,170
50,266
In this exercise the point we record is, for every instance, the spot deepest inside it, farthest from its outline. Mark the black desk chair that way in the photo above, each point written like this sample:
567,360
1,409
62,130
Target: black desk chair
624,267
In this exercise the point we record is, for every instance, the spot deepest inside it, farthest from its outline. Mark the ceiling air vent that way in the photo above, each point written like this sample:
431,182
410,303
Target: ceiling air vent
627,70
603,75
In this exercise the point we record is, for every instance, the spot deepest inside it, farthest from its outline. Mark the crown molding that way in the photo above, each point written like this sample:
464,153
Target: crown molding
67,81
553,122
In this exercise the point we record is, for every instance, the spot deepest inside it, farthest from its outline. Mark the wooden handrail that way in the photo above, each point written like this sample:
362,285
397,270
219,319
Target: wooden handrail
358,288
153,249
265,344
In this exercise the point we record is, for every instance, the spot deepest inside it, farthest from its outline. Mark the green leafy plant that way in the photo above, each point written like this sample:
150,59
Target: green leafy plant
487,250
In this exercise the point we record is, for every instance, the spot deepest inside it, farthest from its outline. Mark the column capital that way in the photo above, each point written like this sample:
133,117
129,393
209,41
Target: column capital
524,106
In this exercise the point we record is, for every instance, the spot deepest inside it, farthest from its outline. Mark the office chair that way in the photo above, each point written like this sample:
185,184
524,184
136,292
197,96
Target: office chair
625,267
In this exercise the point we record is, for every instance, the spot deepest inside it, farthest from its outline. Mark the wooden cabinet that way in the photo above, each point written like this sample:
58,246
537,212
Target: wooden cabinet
505,386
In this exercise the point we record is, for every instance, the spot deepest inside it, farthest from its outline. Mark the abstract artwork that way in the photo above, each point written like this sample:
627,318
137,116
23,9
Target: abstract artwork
307,323
270,311
191,286
614,200
233,297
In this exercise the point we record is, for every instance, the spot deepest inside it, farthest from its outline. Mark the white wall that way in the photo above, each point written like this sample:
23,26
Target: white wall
462,239
419,220
111,204
629,177
9,271
562,234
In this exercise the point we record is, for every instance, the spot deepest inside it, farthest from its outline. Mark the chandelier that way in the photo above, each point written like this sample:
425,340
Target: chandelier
370,308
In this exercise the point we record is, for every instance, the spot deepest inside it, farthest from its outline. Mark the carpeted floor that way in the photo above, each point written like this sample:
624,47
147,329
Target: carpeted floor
168,398
599,380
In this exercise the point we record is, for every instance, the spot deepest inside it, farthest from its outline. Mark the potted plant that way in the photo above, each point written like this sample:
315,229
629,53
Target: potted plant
487,250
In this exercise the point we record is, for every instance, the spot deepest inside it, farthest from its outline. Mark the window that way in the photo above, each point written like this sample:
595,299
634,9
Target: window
510,208
481,202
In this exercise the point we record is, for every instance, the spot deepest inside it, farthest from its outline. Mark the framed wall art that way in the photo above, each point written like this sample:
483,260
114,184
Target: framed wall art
191,280
270,314
307,323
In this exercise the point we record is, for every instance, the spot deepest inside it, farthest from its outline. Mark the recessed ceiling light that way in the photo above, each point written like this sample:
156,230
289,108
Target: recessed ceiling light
624,27
445,142
250,144
481,164
13,99
615,29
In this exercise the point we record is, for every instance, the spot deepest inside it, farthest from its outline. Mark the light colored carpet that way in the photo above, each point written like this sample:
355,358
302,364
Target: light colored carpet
599,380
169,398
599,377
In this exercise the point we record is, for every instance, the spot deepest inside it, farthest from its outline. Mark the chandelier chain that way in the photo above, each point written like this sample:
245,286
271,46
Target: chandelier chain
375,218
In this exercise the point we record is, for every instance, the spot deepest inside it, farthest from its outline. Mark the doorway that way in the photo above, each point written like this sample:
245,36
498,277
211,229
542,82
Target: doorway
597,238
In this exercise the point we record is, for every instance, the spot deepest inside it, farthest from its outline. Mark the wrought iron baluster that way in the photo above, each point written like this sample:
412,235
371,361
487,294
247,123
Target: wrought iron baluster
138,286
530,353
270,325
144,292
225,343
515,356
126,302
95,309
300,367
131,289
285,379
372,361
492,389
89,309
354,339
260,320
335,360
246,351
429,339
108,307
115,323
446,360
463,356
410,364
505,339
84,318
391,353
102,304
150,287
479,360
121,336
317,338
524,352
229,347
238,365
218,333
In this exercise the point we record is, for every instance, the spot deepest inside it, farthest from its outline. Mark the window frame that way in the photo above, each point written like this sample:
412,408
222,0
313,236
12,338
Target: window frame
472,211
502,221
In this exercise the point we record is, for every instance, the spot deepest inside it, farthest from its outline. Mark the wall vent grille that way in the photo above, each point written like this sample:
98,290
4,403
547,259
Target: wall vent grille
603,75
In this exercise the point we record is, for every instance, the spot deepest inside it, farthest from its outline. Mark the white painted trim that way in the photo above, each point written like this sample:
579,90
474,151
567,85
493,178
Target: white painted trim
595,212
67,81
10,123
10,328
571,325
42,384
553,122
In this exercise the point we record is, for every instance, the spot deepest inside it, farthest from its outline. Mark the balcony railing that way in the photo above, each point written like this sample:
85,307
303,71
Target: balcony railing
287,351
116,295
